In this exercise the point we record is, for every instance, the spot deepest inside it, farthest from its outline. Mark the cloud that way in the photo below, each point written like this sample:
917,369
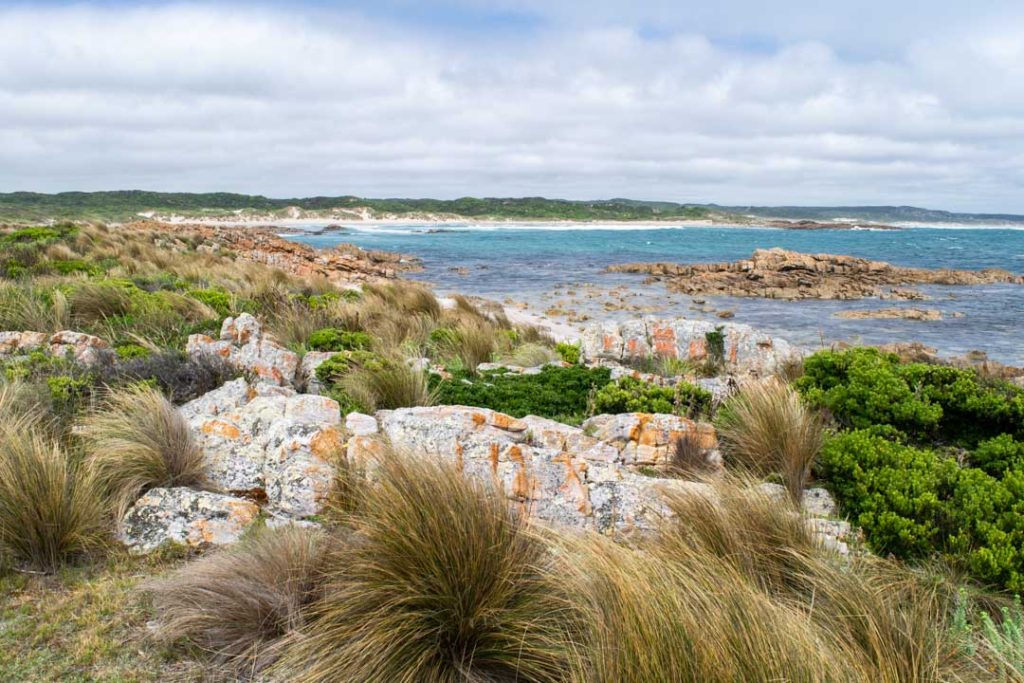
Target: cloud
286,101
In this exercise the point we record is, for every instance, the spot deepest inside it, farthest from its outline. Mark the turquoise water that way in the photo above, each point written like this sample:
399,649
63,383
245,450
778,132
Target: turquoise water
528,263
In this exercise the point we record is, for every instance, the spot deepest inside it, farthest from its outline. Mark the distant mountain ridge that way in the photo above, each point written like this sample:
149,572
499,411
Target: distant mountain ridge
122,205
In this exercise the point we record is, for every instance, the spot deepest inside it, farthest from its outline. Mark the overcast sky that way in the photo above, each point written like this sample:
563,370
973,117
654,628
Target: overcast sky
741,102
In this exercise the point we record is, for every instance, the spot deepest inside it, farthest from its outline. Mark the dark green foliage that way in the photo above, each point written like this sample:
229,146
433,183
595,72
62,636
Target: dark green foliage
998,455
124,205
864,387
21,251
629,395
914,502
569,353
131,351
716,345
39,236
71,266
332,339
895,493
558,393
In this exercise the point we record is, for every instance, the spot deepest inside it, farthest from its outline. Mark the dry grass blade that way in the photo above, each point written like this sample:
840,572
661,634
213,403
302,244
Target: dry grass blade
238,603
137,441
51,511
766,429
443,583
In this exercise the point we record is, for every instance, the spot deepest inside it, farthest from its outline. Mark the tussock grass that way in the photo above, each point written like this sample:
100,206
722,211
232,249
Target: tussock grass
530,355
94,302
766,429
880,620
442,582
392,384
24,307
51,510
237,604
687,458
137,441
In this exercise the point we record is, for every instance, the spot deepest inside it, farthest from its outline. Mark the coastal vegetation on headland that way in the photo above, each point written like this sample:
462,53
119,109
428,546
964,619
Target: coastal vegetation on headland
128,205
415,568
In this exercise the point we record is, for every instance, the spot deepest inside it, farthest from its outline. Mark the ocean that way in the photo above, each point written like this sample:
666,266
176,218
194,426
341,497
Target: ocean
562,266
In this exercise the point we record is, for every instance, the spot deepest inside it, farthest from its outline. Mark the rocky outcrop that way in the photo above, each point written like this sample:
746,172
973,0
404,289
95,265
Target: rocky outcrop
245,345
780,274
344,263
917,314
82,348
744,350
182,515
561,474
642,439
269,444
306,379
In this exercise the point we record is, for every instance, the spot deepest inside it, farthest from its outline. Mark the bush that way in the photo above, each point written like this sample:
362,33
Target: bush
555,392
181,377
331,339
864,387
442,582
569,353
138,441
132,351
51,511
217,299
996,456
237,604
895,493
630,395
767,430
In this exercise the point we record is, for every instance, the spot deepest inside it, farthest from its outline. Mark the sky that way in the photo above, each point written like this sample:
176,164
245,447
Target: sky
731,102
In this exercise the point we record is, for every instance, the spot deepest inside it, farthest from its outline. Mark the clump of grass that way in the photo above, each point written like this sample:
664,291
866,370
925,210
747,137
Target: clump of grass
466,346
443,582
93,302
137,441
51,510
687,458
766,429
386,386
25,308
531,355
239,603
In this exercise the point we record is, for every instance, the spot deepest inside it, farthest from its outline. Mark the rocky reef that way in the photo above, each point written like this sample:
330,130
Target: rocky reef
781,274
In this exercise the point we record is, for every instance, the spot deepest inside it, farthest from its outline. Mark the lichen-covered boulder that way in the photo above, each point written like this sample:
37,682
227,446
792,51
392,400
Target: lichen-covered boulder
245,345
552,471
183,515
14,343
80,347
268,442
744,349
646,439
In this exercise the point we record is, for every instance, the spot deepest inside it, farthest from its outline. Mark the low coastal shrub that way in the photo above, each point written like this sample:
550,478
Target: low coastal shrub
333,339
559,393
217,299
766,430
441,581
179,376
631,395
237,604
864,387
569,353
914,503
137,440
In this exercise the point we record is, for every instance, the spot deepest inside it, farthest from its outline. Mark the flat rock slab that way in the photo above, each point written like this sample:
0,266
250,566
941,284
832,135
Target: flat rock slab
182,515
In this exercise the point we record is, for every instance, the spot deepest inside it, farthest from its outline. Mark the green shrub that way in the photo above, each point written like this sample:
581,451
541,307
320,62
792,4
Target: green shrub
131,351
569,353
630,395
913,503
998,455
555,392
332,339
864,387
217,299
71,266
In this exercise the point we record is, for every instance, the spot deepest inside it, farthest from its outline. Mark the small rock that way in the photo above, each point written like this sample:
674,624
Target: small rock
182,515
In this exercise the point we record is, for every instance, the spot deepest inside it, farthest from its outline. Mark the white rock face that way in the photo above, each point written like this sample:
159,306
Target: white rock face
265,440
644,439
746,350
14,343
77,346
245,346
182,515
555,472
